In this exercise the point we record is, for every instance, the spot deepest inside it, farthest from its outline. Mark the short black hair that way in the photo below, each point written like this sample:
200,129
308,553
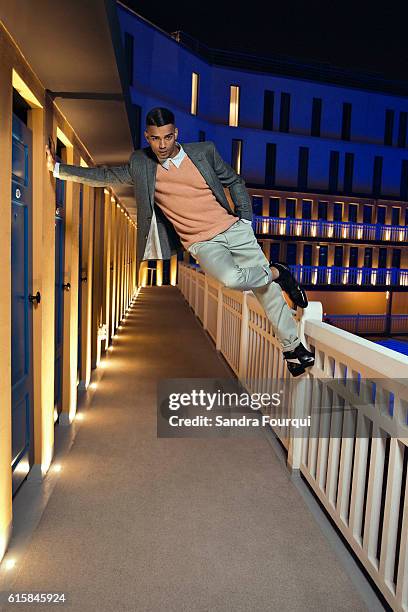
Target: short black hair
159,116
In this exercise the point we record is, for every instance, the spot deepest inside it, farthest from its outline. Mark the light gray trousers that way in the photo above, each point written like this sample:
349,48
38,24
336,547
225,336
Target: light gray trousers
235,258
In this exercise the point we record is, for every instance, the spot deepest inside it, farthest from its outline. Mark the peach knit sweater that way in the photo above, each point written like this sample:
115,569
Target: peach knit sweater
188,202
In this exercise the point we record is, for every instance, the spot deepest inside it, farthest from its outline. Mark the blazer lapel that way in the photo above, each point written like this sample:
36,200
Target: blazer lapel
151,170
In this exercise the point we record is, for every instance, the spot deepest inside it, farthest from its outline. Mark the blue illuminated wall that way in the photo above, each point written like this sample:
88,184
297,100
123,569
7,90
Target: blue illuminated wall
162,77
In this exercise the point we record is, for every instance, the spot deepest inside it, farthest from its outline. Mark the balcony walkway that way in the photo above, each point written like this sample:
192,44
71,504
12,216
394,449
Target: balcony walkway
140,523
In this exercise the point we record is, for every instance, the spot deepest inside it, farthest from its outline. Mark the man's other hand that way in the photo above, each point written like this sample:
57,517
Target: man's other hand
50,153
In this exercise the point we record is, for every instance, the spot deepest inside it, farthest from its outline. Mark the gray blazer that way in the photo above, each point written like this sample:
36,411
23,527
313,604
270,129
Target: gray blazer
140,171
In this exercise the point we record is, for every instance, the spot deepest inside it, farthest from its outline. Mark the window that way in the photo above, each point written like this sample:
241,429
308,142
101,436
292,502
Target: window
348,172
137,114
404,180
377,175
396,258
316,116
322,210
381,213
338,211
307,254
270,164
382,257
284,112
195,81
269,99
323,253
274,253
389,126
257,205
291,253
201,135
274,207
236,155
306,209
234,106
346,122
334,171
290,208
367,213
353,257
303,167
395,215
129,44
352,213
402,129
338,256
368,257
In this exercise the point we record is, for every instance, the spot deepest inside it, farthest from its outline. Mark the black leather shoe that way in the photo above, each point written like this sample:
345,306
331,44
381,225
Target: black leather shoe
289,284
298,359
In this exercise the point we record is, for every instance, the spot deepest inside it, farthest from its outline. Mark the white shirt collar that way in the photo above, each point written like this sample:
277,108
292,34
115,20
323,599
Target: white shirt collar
177,159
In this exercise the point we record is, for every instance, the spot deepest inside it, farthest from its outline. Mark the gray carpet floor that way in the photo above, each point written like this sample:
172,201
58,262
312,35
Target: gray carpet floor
141,523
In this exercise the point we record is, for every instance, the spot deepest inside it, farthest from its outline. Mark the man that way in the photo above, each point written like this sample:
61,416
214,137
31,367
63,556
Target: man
181,202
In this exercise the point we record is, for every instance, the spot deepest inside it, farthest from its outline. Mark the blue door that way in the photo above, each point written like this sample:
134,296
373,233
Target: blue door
368,263
22,303
322,269
59,291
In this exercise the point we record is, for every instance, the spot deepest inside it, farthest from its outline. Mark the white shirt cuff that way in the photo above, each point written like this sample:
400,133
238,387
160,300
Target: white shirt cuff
56,170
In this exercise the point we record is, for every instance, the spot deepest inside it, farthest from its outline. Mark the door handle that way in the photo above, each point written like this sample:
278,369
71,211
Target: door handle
66,286
84,279
35,298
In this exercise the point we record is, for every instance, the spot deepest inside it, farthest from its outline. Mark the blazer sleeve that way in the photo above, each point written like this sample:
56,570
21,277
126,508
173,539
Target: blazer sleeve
236,184
98,176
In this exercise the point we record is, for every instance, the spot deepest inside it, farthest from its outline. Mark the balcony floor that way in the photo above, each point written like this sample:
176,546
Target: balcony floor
140,523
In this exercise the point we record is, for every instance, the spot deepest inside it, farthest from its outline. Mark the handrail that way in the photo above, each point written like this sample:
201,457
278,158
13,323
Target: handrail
322,228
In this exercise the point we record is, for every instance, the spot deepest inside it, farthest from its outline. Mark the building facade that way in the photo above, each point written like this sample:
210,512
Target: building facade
323,154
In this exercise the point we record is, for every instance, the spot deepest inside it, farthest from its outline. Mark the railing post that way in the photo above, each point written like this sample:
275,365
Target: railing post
388,319
299,396
243,342
196,290
205,313
298,405
219,319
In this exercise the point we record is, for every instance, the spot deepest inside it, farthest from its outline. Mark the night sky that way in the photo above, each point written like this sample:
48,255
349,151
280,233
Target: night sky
347,34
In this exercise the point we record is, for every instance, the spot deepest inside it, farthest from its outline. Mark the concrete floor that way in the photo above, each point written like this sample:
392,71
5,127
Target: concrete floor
145,524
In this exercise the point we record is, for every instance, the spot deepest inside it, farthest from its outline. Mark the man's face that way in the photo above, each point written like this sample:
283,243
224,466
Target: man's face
162,140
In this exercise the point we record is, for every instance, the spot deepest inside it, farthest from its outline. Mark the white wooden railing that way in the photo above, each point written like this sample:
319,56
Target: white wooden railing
359,478
370,323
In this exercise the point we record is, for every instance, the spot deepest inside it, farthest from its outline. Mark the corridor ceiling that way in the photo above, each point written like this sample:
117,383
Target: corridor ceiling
69,45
